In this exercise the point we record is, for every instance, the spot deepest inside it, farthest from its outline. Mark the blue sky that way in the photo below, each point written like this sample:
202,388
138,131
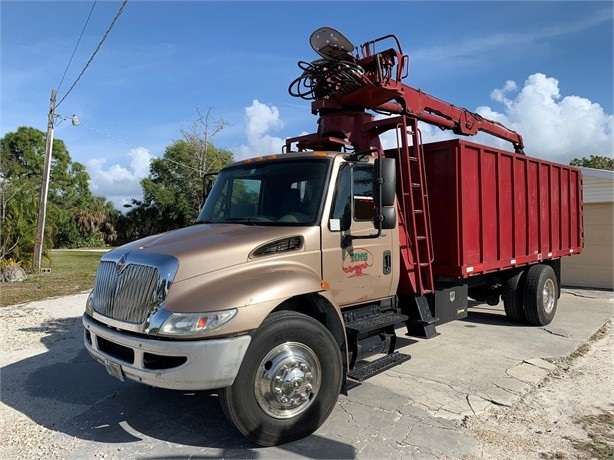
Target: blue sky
542,68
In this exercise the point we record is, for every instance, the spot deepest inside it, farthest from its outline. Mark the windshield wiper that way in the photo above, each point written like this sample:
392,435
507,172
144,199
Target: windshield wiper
245,220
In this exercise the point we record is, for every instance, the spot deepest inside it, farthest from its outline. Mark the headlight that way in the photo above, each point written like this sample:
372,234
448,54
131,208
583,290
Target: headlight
194,324
89,305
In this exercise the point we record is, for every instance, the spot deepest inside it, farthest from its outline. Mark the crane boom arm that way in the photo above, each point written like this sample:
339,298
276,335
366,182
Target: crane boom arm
429,109
342,83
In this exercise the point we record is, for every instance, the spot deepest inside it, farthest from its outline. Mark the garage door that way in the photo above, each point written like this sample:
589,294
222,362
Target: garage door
595,266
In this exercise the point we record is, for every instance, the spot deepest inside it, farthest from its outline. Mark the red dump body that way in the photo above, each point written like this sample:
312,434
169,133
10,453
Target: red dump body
492,209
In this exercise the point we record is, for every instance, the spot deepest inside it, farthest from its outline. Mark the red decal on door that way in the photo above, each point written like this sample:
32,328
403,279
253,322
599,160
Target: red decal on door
357,261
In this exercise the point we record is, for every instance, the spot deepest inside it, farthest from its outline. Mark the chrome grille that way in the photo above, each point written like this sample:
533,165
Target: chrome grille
126,293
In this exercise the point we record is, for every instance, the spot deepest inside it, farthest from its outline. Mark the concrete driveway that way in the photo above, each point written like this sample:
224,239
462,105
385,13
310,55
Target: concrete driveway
56,402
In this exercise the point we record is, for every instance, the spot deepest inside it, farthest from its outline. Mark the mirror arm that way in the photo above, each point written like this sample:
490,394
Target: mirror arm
348,238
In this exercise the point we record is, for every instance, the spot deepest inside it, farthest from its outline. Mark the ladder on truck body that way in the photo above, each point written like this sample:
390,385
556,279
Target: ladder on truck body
416,245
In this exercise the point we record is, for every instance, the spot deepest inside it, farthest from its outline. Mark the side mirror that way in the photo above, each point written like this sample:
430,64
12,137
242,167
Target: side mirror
389,218
208,184
208,189
388,183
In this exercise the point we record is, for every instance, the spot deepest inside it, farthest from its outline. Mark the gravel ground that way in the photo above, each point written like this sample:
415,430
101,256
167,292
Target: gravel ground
25,331
570,415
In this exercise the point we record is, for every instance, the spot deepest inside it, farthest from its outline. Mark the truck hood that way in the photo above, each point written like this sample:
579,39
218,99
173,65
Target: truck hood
205,248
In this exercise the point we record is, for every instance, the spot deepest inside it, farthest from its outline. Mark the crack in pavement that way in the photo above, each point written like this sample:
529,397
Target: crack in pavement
445,384
470,405
366,428
434,406
404,425
350,415
404,443
556,332
410,419
508,390
455,400
359,403
582,295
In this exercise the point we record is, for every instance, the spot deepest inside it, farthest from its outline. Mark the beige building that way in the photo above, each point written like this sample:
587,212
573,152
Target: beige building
594,268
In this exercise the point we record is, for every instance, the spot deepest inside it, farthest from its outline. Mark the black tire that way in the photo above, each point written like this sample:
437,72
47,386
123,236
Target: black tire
513,298
291,356
540,295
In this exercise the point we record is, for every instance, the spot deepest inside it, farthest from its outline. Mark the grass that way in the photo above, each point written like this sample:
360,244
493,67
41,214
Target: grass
72,272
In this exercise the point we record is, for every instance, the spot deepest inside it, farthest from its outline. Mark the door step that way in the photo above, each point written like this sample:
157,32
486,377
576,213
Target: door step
368,370
375,323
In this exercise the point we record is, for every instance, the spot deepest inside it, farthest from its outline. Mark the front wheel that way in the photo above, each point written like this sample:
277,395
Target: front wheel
288,383
540,295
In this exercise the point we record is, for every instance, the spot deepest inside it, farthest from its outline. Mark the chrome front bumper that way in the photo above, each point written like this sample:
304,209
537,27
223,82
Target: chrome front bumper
174,364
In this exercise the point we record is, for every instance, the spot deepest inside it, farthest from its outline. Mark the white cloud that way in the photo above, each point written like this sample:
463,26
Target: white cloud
259,120
118,183
553,126
499,94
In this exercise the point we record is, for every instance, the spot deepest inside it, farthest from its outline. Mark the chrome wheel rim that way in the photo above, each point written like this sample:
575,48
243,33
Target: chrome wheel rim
549,296
288,380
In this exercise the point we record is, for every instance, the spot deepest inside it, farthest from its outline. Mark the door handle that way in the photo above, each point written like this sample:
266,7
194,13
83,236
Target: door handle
387,262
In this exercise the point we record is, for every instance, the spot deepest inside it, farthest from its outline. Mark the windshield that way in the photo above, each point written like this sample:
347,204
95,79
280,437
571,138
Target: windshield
287,192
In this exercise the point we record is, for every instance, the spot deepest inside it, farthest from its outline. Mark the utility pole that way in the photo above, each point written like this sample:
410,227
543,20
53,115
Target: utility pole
42,205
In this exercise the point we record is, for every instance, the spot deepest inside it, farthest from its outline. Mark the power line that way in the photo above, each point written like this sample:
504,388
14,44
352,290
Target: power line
137,147
121,9
77,45
111,136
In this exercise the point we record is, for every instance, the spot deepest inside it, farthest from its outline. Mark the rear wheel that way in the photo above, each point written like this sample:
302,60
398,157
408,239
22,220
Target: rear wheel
288,383
513,298
540,295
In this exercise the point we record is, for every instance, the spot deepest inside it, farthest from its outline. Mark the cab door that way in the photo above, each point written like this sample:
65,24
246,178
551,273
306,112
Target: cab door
357,270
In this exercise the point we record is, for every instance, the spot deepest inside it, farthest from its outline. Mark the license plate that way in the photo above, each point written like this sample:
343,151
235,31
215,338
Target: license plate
115,370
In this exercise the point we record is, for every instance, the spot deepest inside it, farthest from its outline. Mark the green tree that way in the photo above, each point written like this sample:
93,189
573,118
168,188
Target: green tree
71,207
18,214
173,192
138,222
595,162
